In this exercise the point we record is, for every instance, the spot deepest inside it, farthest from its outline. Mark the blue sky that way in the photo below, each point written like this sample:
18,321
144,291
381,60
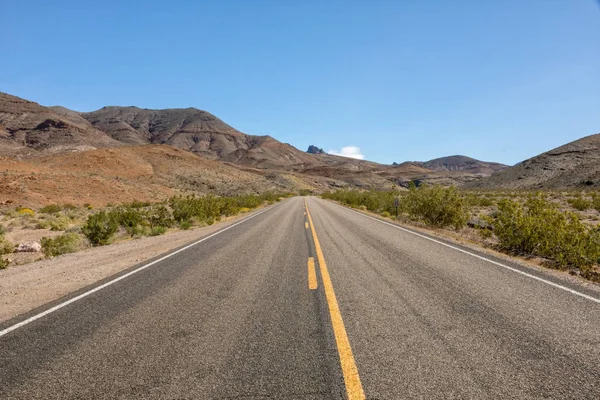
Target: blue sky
499,80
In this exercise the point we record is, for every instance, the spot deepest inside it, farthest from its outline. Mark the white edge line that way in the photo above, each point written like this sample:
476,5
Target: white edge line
537,278
97,288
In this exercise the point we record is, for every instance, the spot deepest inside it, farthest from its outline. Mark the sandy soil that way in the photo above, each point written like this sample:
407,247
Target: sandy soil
25,287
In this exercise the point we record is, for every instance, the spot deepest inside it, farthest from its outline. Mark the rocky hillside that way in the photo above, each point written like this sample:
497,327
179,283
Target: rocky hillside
573,165
27,128
464,163
37,138
315,150
197,131
149,173
458,164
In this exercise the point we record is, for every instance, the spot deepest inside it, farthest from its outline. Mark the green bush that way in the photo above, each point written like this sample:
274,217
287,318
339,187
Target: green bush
132,219
539,228
437,206
374,201
63,244
138,204
157,230
2,230
100,227
5,248
50,209
596,201
185,225
160,216
69,207
579,203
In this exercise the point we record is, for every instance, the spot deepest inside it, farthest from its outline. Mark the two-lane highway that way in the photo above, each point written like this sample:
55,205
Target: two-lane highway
323,304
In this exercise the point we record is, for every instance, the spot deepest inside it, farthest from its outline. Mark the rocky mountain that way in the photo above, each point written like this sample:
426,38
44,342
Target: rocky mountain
27,128
54,151
573,165
197,131
464,163
315,150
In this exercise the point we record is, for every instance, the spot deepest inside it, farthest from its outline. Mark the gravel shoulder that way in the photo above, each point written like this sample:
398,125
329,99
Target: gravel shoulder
26,287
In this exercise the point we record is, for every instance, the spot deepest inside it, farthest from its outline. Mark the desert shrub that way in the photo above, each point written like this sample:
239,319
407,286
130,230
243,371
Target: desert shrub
185,225
386,214
133,220
580,203
182,207
374,201
69,207
100,227
157,230
2,230
229,206
138,204
208,209
160,216
477,200
305,192
539,228
60,223
50,209
596,201
6,247
437,206
63,244
22,211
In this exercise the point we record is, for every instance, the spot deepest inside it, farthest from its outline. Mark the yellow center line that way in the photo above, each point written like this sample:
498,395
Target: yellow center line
312,274
354,389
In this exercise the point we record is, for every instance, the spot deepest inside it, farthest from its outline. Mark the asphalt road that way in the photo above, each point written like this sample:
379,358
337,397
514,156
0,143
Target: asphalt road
233,317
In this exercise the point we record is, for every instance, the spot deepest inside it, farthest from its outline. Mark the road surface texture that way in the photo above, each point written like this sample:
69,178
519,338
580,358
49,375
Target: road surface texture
394,315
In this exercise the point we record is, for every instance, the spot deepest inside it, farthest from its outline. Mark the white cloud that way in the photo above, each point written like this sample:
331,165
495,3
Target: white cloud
348,151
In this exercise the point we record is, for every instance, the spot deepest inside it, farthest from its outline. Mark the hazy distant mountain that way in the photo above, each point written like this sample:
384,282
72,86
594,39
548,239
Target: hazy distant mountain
575,164
315,150
464,163
458,163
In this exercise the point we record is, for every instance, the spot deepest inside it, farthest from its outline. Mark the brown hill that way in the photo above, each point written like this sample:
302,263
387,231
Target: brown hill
197,131
573,165
149,173
33,132
27,128
464,163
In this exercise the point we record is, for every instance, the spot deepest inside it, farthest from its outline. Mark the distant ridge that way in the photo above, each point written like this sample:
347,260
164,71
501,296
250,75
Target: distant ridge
573,165
458,163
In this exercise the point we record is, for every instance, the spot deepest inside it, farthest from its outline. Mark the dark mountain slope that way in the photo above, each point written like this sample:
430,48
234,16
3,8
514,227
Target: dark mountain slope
196,131
27,128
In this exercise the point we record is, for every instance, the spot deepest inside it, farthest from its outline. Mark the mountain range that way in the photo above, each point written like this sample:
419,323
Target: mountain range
45,150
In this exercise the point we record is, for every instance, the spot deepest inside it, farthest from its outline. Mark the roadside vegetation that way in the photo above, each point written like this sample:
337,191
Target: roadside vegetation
559,228
65,228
